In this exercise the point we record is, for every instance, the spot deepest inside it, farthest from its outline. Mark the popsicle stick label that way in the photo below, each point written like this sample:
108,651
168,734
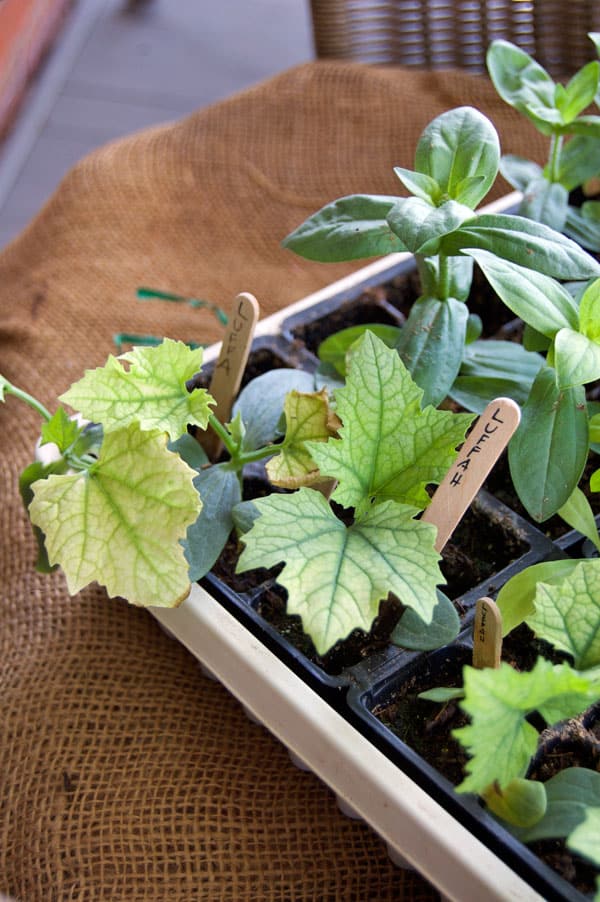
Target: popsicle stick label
229,368
487,634
479,453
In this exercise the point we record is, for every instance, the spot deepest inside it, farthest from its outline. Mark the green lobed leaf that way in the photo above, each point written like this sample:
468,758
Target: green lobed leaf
260,404
335,575
516,597
220,490
460,151
348,229
120,522
388,447
420,226
499,739
334,348
584,838
576,358
525,242
538,300
567,614
152,392
61,430
548,452
519,172
431,344
307,418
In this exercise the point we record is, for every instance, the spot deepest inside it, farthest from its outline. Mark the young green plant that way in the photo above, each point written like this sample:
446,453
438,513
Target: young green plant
456,162
561,113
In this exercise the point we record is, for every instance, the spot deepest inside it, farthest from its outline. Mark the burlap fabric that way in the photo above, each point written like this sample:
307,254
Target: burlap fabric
126,774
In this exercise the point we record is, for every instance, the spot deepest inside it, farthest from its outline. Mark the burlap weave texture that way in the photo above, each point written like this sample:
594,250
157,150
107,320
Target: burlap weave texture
125,773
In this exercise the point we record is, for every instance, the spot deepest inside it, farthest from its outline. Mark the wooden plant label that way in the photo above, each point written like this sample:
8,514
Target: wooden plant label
229,368
482,448
487,634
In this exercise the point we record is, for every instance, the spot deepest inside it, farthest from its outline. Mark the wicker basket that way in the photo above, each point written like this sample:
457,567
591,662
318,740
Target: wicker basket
441,33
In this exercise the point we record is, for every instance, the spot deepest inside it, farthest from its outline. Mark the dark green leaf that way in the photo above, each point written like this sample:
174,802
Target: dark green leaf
521,81
420,226
455,283
190,450
537,299
412,632
431,345
519,172
548,452
545,202
457,147
534,340
583,229
525,242
347,229
588,126
493,369
578,161
474,328
220,490
333,349
579,92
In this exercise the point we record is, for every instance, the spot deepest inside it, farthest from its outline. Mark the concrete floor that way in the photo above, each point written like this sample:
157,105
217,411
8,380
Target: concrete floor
121,65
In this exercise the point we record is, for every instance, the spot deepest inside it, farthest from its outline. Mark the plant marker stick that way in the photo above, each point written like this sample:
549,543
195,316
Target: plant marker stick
482,448
229,368
487,634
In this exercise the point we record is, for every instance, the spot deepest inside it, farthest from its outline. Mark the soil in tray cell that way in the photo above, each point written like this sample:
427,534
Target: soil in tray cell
427,728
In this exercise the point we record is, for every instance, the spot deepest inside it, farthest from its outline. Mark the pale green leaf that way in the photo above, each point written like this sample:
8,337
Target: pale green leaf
576,358
307,418
336,576
521,81
522,802
585,838
152,392
260,404
516,596
589,311
568,795
419,184
120,523
61,430
334,349
567,614
4,384
499,738
578,513
388,447
546,202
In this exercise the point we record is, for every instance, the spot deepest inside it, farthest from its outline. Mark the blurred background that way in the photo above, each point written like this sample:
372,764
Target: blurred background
75,74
